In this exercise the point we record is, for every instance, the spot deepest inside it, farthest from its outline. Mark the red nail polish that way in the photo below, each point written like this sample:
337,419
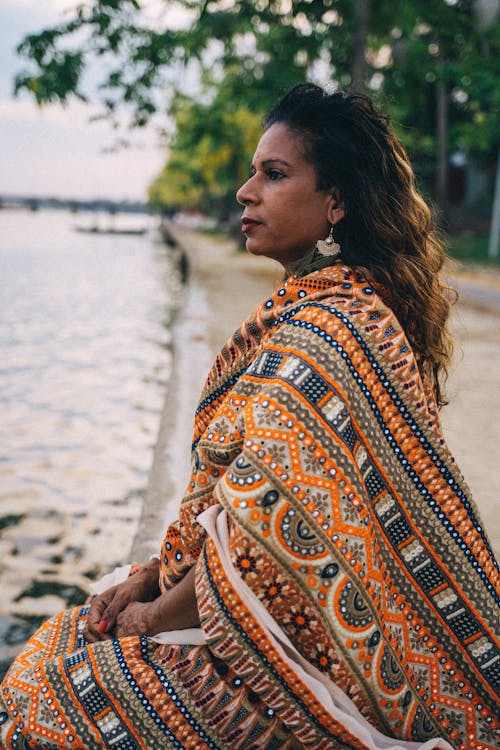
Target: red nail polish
103,626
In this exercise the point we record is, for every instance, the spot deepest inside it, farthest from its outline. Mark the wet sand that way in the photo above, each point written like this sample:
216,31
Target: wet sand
224,288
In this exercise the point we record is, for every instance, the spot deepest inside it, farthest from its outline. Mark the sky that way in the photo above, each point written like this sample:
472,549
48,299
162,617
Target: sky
56,151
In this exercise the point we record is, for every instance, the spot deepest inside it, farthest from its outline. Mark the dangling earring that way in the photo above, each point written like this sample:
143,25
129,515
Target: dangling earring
328,246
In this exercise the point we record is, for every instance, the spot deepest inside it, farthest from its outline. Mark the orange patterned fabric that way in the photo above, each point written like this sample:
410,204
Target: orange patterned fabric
350,522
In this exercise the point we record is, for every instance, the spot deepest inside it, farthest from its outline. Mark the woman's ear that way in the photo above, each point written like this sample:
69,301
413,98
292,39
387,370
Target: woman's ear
336,210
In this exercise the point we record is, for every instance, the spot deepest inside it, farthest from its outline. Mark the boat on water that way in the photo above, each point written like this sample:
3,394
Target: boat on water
111,230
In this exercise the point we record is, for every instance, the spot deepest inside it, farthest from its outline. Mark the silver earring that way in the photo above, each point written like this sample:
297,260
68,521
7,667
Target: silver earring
328,246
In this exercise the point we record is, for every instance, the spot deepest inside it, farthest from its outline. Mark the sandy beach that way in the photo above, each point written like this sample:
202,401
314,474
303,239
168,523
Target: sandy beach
223,289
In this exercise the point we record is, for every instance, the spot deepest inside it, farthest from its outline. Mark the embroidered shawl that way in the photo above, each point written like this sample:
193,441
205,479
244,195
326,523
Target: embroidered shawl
347,592
348,519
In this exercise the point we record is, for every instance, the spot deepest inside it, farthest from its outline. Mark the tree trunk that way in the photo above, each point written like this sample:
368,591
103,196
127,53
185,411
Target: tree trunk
361,13
442,144
495,217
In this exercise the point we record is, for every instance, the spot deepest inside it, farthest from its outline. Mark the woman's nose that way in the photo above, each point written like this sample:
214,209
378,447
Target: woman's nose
246,194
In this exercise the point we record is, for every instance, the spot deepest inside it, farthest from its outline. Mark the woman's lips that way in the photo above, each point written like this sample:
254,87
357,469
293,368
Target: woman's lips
248,224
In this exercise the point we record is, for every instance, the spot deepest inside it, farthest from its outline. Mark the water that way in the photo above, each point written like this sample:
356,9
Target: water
84,361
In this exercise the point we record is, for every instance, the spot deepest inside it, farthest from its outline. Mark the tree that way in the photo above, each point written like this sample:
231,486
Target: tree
268,41
425,62
209,155
444,81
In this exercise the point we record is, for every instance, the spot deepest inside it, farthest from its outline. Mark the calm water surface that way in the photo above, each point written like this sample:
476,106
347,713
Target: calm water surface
84,360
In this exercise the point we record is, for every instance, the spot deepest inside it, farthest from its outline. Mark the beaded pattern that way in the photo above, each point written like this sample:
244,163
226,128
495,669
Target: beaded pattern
348,519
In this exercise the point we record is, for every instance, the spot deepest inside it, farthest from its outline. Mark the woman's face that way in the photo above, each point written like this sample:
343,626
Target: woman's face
285,214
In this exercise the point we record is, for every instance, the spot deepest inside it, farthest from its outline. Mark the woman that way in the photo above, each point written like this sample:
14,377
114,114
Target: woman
328,571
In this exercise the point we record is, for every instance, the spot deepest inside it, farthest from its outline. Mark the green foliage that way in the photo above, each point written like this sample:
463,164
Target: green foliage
107,29
59,70
209,156
440,42
471,248
248,53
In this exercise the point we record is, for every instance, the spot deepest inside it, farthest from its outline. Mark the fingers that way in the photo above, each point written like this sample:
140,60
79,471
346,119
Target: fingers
94,629
105,619
91,631
103,615
109,616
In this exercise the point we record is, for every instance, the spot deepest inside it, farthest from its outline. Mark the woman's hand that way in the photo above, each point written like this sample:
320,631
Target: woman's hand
136,619
174,610
142,586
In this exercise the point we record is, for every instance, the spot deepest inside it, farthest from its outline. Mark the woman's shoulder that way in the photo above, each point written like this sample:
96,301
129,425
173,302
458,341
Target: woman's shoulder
346,331
335,301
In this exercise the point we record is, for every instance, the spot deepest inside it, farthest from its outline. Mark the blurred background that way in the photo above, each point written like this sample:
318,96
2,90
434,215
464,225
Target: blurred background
163,101
116,112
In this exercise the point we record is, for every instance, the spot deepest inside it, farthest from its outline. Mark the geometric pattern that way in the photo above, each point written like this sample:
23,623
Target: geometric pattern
348,519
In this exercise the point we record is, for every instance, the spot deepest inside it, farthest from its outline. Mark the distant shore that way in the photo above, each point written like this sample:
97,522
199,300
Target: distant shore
75,205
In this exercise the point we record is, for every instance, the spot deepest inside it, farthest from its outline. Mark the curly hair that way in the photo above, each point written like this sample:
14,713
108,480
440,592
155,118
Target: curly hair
387,234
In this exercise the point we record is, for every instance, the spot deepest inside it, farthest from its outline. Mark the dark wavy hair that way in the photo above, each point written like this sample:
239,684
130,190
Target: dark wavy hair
387,234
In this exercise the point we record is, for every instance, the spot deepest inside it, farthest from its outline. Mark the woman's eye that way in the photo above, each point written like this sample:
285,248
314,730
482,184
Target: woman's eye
274,175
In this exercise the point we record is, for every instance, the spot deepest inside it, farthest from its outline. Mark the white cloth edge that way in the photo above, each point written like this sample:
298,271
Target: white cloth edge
215,521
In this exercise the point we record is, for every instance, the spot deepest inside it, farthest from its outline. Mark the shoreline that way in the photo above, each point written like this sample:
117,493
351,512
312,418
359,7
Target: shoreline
211,310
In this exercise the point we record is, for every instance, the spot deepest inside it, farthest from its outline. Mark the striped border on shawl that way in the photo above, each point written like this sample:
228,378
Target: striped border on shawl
398,402
428,576
294,697
172,693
